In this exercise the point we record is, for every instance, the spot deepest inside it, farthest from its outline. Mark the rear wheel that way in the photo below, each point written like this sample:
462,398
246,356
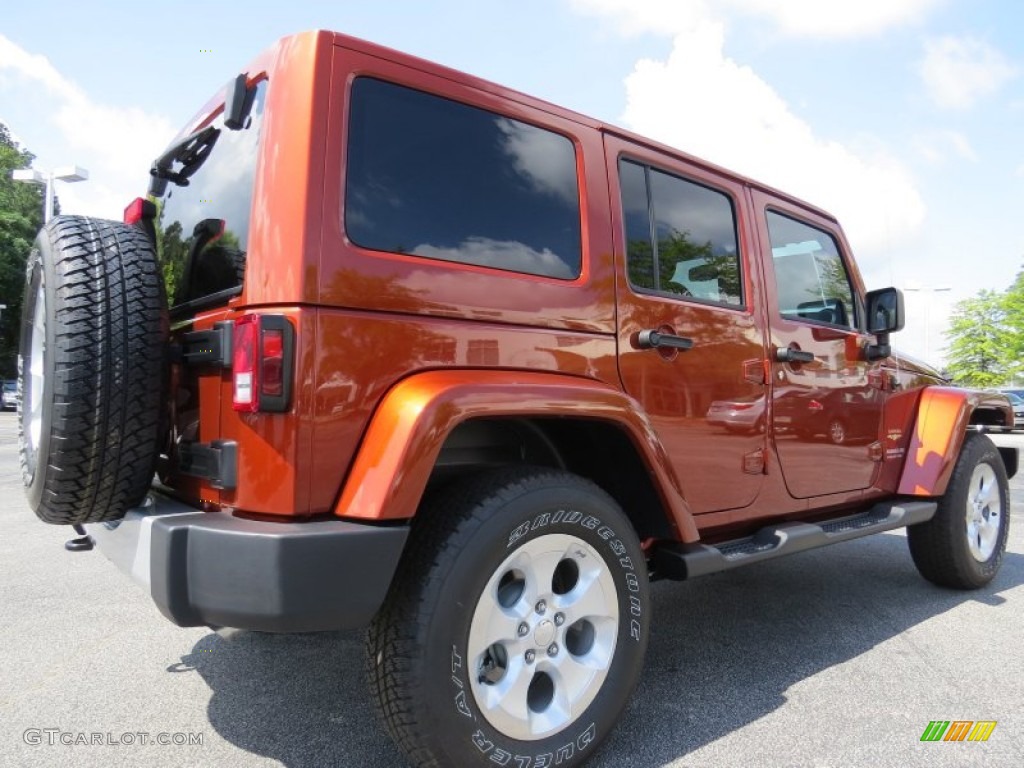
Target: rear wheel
515,629
962,546
91,362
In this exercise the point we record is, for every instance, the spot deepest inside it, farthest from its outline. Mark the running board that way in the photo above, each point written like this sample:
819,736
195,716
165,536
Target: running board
684,561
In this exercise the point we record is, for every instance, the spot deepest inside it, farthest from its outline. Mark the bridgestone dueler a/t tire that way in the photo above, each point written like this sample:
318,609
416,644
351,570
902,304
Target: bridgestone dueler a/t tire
468,546
942,547
91,362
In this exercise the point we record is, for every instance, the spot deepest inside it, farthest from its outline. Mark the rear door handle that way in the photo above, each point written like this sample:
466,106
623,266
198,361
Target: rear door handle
656,339
792,355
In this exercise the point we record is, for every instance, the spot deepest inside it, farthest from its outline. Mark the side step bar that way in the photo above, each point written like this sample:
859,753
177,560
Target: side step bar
684,561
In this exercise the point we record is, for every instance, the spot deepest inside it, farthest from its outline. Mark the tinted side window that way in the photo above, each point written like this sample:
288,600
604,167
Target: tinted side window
439,179
680,236
812,280
202,228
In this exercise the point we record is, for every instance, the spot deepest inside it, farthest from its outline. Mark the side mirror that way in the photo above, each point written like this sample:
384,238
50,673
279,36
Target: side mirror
885,311
885,316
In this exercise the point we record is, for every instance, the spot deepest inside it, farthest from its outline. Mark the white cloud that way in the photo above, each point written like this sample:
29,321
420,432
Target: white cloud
938,147
723,111
504,254
957,71
797,18
117,144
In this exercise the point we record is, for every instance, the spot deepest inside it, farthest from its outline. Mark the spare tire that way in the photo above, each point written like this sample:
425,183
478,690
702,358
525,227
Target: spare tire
91,367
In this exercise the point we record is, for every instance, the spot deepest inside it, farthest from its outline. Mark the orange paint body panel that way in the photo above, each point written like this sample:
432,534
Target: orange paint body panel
942,417
401,444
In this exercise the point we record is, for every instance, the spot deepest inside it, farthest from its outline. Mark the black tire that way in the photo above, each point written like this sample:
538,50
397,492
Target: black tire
92,376
947,550
426,677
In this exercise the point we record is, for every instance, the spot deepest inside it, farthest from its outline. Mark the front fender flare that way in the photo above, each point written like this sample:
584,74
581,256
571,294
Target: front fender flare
405,435
943,415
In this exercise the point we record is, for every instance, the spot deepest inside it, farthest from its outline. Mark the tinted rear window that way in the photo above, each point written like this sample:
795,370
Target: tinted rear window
440,179
199,266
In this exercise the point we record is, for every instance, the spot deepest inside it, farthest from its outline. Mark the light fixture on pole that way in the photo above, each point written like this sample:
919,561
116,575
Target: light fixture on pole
927,312
69,173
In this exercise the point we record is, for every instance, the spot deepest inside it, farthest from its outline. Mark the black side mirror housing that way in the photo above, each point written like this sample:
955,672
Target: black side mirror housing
885,311
885,316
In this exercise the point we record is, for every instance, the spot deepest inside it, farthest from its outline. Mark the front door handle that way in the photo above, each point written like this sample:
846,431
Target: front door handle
656,339
793,355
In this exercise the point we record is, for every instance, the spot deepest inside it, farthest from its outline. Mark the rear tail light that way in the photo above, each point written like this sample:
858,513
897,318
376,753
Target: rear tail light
139,209
814,405
261,363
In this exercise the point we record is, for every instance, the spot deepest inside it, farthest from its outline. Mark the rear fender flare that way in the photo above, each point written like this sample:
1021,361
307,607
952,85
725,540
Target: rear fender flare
943,416
405,435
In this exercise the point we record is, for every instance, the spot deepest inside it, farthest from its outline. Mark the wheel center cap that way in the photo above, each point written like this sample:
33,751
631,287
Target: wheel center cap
544,633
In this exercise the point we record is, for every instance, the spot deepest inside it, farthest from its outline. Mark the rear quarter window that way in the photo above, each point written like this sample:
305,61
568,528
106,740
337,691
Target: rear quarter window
443,180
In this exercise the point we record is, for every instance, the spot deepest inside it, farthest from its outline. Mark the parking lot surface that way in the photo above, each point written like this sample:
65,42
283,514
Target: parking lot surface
835,657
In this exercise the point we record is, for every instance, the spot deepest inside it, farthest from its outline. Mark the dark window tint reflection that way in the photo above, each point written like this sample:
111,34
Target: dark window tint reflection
681,236
439,179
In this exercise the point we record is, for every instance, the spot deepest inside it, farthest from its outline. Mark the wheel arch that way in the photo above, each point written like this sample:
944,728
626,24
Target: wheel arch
439,425
944,414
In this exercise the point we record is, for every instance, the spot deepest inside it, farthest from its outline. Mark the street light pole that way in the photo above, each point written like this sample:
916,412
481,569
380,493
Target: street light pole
927,314
69,173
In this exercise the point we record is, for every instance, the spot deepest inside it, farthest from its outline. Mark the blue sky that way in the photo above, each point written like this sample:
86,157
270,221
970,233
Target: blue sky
902,117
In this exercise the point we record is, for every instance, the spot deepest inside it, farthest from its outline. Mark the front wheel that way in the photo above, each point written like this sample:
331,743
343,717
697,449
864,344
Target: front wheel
962,546
515,630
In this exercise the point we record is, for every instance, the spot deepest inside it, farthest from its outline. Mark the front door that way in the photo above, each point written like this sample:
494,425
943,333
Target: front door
827,398
689,328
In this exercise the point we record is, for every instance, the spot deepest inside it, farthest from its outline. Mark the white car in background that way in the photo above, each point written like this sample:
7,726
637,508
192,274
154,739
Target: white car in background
10,402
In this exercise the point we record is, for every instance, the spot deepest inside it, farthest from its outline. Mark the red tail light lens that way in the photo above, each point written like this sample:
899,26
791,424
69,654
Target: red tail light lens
272,364
814,405
261,363
139,209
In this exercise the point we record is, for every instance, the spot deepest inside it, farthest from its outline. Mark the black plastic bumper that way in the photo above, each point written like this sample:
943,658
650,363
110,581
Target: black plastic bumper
212,568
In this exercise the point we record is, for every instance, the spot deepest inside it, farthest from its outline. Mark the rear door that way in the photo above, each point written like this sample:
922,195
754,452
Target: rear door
827,398
689,328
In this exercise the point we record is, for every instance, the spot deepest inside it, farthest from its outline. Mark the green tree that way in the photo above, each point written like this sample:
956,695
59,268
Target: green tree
21,216
977,338
1013,321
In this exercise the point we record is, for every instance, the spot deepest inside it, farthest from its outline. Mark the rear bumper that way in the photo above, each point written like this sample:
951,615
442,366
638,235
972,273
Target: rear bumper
212,568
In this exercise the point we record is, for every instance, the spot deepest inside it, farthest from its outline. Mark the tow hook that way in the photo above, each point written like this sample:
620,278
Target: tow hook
83,543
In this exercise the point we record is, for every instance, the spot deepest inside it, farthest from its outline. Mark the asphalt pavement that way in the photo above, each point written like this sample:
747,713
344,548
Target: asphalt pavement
835,657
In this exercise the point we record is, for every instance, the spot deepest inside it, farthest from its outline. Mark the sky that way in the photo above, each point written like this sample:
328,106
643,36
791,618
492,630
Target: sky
901,117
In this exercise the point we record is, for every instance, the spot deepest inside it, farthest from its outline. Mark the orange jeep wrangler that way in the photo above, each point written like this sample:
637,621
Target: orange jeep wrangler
386,344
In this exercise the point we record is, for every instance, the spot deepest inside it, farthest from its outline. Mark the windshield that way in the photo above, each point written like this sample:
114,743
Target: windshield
202,227
10,386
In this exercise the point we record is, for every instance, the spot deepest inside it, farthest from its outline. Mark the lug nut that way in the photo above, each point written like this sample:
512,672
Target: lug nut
530,656
524,628
553,649
559,619
541,606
